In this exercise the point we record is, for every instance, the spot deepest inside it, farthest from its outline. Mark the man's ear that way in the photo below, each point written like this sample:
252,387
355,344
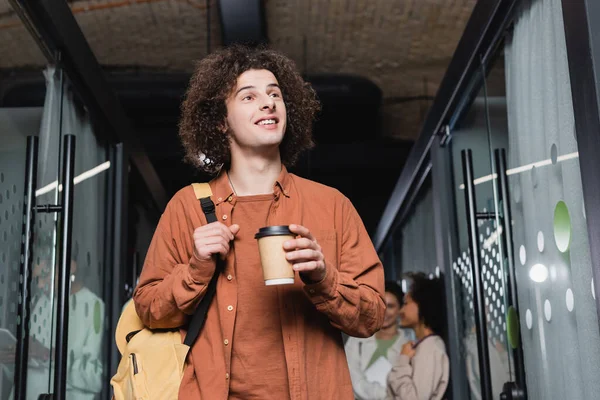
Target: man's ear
223,127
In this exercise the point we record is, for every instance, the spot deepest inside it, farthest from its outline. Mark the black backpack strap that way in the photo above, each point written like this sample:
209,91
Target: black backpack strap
199,316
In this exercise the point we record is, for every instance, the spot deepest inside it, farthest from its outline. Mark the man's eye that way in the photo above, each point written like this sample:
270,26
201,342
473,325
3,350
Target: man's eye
275,95
247,98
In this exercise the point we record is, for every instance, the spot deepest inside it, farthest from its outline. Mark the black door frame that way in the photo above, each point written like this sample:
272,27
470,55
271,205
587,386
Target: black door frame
583,51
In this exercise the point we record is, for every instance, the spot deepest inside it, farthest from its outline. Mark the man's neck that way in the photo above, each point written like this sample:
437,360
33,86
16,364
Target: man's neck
254,176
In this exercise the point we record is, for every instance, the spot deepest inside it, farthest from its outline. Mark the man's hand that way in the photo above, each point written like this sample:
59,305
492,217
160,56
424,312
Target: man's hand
305,254
214,238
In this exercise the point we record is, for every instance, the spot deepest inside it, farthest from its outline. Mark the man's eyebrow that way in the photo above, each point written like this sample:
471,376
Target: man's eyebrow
244,88
254,87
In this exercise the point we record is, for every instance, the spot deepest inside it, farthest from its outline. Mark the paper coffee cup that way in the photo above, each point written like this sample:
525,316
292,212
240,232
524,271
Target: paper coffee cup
277,270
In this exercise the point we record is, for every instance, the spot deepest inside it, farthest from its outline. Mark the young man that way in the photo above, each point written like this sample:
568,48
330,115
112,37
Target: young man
247,115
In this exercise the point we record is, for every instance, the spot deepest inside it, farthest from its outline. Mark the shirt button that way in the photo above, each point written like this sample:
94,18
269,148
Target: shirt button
227,375
230,198
311,290
226,342
220,199
229,308
229,277
224,217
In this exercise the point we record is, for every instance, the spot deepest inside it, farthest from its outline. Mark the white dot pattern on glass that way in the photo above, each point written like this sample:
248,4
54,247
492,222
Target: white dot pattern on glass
528,319
492,282
554,153
522,255
570,300
548,310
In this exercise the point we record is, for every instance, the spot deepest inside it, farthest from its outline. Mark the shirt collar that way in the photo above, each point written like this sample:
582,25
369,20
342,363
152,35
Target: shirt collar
224,191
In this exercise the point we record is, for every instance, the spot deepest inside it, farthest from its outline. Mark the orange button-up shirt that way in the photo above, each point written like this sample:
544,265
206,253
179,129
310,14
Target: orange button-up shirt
348,299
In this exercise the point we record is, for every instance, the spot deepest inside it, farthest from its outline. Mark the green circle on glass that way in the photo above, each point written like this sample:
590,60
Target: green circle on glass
97,317
512,327
562,227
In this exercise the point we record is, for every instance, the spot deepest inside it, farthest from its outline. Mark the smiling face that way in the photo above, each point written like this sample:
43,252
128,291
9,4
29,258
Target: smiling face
392,310
256,114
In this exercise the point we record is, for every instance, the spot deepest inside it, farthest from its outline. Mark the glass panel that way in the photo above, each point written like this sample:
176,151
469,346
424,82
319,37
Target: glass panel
40,372
88,339
22,116
470,132
558,316
416,237
88,336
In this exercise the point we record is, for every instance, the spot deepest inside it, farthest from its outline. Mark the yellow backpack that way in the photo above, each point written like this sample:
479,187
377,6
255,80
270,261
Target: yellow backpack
153,361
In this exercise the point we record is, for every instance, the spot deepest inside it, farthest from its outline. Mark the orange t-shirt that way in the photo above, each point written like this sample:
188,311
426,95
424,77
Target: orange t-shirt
258,368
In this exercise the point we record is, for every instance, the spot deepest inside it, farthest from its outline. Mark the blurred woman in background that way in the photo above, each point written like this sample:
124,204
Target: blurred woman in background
421,371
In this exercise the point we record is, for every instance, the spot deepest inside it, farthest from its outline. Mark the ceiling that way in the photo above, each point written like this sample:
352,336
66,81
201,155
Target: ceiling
401,47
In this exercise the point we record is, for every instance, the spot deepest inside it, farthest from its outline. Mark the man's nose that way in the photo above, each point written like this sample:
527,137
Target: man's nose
268,104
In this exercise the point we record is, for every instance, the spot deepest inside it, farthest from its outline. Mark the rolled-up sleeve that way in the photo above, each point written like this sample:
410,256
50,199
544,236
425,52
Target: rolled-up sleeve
173,279
351,294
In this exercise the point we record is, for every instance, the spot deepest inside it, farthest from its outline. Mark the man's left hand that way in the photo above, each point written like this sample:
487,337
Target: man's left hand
305,254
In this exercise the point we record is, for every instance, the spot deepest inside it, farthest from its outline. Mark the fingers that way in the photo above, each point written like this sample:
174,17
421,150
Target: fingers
309,266
304,255
234,229
301,243
301,231
214,238
214,229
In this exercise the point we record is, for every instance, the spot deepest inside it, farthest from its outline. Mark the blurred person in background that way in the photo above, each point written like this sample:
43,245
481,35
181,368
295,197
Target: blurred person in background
421,372
368,379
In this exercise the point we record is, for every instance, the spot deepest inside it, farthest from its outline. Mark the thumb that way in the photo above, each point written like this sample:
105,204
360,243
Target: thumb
235,228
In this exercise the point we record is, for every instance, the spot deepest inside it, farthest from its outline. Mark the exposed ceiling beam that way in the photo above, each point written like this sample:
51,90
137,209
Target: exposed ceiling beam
243,22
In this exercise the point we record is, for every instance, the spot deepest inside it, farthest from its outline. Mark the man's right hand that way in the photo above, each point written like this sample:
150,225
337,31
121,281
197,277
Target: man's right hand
214,238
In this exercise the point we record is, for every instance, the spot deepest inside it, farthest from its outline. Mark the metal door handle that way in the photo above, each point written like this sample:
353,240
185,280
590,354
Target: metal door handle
64,256
479,299
504,198
510,391
23,310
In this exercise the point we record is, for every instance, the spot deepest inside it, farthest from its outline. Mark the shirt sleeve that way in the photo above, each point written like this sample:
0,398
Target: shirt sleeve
420,378
363,389
351,294
173,279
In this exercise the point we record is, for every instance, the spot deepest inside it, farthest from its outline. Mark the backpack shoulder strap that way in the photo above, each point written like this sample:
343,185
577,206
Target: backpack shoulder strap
203,194
202,190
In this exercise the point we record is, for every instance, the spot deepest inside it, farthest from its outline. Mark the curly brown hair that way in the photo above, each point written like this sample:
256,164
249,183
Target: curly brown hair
203,111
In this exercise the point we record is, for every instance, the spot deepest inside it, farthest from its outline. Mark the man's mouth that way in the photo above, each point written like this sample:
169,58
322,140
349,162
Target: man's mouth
267,122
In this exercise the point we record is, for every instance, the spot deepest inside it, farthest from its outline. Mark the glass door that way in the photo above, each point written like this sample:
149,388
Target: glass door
530,326
541,178
481,270
68,306
53,219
